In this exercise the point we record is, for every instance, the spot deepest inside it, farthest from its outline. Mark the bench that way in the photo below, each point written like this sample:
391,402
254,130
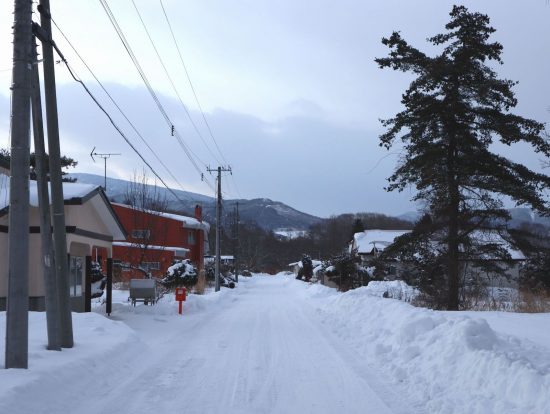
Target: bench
143,290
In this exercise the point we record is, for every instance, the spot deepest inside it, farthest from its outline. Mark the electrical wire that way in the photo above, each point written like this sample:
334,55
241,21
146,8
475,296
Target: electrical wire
172,83
194,92
77,79
118,106
188,152
191,83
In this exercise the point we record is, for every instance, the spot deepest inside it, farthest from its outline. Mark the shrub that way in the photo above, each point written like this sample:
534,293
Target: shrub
181,273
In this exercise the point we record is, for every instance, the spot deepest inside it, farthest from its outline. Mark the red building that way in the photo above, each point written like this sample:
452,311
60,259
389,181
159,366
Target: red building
156,239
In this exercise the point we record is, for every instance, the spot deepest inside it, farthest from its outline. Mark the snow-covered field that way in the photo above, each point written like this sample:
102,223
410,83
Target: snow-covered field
278,345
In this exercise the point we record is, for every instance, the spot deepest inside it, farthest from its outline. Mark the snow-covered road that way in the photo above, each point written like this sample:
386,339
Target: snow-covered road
277,345
263,351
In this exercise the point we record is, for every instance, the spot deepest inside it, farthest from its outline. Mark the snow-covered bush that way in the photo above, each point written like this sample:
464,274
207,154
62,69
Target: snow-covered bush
98,279
181,273
345,270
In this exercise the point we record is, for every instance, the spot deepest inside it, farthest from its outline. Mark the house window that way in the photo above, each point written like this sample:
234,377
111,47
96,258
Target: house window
190,237
76,271
150,266
141,234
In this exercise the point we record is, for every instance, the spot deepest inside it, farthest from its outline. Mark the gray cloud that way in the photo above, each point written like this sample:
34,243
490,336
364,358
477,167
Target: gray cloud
290,89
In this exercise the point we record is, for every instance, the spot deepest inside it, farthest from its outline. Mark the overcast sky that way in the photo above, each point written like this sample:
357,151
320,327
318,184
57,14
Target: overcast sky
289,88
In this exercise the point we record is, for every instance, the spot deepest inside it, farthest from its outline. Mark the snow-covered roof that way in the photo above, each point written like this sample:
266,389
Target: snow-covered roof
152,247
70,191
188,222
367,240
73,194
493,237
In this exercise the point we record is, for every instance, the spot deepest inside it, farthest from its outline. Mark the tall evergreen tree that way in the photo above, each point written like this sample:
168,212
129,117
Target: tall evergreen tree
357,227
454,110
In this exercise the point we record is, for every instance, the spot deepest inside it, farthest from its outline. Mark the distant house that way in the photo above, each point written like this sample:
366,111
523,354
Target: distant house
369,244
474,269
225,260
156,239
317,268
91,226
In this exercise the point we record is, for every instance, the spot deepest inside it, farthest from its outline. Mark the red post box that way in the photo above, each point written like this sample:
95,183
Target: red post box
180,297
180,294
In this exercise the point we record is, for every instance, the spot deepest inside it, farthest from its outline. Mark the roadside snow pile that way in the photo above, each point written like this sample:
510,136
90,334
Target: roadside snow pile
395,289
102,347
452,363
165,306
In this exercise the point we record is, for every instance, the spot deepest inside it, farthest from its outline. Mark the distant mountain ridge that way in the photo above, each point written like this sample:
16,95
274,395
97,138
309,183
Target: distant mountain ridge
519,215
266,213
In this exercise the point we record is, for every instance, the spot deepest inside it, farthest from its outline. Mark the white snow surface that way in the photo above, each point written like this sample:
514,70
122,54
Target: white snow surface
396,289
278,345
70,190
367,240
151,246
493,237
187,222
290,233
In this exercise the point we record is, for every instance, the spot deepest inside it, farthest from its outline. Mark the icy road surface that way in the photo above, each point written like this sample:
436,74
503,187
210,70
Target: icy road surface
260,350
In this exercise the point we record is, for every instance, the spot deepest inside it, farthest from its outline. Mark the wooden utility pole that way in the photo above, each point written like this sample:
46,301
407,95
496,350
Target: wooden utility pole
17,307
236,246
48,267
218,224
56,182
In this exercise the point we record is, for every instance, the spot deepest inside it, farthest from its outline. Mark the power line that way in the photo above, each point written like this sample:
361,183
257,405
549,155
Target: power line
172,83
195,93
188,152
118,107
111,120
191,83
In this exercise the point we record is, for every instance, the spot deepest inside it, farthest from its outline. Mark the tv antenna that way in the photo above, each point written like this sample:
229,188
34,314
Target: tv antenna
105,157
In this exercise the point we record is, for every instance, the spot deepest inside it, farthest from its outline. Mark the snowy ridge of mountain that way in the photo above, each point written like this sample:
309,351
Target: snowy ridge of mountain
519,216
266,213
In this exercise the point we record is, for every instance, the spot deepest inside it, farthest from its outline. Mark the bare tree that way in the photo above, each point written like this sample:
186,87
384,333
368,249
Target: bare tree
148,230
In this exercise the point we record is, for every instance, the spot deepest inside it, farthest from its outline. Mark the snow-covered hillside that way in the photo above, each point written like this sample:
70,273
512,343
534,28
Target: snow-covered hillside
278,345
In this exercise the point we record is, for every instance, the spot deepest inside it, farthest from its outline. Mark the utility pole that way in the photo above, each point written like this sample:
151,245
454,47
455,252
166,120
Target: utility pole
104,156
56,182
236,246
17,308
218,223
50,283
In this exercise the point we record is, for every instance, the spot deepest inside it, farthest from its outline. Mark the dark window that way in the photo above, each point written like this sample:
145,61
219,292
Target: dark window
150,265
76,272
141,234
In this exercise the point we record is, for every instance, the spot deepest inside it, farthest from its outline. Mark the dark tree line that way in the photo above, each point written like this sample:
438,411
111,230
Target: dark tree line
262,250
66,162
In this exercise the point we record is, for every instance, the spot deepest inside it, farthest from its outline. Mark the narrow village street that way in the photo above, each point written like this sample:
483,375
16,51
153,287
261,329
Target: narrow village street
262,349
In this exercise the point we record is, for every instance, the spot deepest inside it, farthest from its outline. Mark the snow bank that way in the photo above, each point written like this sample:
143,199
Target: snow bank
452,363
166,306
102,346
396,289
